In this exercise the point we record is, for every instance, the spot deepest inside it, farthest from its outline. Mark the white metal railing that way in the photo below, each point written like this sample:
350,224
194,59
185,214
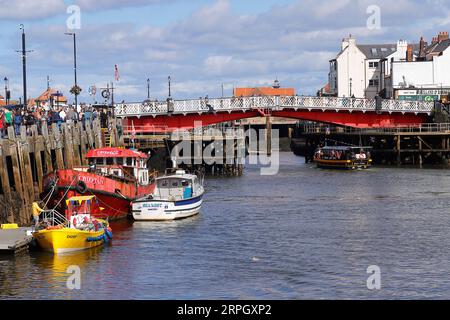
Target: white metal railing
275,103
53,218
413,128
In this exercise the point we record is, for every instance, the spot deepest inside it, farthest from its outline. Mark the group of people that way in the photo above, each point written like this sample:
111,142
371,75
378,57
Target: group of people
30,116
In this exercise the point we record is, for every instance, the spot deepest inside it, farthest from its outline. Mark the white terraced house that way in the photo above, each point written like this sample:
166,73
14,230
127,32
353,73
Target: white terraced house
425,77
359,70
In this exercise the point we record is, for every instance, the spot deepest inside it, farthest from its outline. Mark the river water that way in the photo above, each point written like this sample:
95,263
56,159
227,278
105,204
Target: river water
304,233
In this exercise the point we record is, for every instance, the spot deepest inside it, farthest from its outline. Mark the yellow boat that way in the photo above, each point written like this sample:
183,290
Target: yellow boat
78,230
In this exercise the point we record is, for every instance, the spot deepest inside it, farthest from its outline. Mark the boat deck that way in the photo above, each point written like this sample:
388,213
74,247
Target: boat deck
14,240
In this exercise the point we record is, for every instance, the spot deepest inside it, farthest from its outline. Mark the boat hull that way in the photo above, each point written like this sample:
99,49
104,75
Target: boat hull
162,210
67,240
343,164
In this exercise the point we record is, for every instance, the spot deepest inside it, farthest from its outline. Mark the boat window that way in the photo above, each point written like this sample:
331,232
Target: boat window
129,161
120,161
175,184
109,161
100,161
185,183
163,183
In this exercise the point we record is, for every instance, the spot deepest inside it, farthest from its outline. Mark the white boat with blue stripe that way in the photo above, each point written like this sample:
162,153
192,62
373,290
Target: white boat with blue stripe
176,196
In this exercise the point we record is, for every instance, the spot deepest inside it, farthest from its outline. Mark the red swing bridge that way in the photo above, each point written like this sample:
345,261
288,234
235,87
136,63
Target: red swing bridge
172,115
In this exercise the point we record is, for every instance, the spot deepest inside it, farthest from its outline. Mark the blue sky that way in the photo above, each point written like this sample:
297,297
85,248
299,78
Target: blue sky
201,44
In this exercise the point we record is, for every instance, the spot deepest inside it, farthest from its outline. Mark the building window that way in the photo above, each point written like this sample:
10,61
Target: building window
374,83
373,64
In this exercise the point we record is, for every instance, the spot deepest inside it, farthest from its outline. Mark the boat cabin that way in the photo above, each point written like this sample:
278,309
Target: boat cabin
121,163
81,208
343,153
178,186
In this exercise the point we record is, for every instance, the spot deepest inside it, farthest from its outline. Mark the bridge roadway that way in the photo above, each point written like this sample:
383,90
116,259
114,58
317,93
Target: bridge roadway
170,115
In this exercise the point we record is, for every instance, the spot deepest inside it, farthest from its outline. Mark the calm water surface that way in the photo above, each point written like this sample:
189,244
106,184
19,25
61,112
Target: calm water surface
305,233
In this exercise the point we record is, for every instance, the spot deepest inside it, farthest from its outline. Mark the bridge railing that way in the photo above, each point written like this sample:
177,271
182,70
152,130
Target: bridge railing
275,103
411,128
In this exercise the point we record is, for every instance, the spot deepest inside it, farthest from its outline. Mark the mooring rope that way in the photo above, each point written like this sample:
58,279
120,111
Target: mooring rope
65,194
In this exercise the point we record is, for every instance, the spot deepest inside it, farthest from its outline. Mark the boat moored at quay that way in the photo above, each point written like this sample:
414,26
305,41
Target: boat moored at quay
116,176
79,230
343,157
176,196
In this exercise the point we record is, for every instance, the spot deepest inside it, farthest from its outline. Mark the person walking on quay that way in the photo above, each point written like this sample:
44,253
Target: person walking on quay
62,114
17,121
72,116
103,119
29,120
2,124
87,117
56,118
40,118
8,117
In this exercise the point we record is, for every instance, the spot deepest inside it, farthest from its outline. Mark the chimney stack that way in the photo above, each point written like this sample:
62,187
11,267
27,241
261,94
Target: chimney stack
422,49
409,53
435,40
442,36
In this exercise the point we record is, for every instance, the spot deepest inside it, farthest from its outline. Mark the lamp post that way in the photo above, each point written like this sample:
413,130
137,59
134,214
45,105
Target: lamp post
148,88
6,91
74,62
24,66
350,87
169,86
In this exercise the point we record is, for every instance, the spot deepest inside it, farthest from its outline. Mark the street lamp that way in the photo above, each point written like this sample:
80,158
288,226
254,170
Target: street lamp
74,63
350,87
169,87
6,91
24,66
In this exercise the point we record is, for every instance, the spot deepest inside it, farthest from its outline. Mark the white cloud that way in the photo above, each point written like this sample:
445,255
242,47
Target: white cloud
115,4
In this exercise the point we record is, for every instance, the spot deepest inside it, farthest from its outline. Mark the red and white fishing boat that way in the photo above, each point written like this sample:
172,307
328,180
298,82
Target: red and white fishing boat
115,176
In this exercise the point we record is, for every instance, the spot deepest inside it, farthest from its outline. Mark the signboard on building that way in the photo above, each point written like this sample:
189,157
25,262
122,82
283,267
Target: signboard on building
422,94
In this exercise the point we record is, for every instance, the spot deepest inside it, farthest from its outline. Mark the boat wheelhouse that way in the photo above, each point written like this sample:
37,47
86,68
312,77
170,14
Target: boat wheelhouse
120,163
343,157
175,196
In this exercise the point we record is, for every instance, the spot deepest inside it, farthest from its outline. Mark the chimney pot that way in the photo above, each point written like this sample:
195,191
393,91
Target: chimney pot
443,35
409,53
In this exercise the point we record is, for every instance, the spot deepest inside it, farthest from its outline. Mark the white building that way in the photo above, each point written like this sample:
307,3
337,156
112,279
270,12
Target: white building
360,70
426,77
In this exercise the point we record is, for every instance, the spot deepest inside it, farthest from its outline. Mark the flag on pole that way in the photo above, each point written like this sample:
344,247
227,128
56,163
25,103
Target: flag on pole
116,73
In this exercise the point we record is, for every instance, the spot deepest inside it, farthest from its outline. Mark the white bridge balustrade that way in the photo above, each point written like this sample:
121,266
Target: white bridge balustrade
271,103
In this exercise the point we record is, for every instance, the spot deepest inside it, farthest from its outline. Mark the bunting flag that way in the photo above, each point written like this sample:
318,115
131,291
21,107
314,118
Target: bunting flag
133,132
116,73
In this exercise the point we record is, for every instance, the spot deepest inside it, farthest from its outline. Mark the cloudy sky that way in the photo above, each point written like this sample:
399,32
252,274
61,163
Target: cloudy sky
201,44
